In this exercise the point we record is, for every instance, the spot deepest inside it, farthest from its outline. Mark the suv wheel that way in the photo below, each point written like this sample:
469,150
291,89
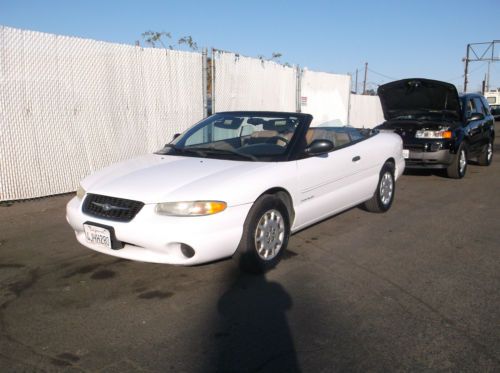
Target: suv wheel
486,155
457,168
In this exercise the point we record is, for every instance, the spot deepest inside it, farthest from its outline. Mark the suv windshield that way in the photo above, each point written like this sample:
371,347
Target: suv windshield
243,136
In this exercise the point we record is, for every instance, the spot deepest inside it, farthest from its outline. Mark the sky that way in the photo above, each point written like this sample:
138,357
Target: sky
398,39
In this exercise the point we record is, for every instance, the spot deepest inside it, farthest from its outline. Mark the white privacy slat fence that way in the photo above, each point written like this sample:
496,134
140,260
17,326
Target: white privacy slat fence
244,83
366,111
325,96
70,106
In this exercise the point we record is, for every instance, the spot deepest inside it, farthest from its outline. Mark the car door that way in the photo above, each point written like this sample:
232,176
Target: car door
473,128
488,122
332,182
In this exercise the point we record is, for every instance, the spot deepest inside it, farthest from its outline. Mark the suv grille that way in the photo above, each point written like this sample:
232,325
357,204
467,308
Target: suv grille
111,208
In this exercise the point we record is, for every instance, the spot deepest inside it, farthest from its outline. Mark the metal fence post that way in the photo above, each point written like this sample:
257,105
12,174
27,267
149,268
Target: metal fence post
204,75
213,81
298,86
349,100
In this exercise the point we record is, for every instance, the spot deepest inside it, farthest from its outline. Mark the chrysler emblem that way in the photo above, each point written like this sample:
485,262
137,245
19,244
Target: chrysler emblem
107,207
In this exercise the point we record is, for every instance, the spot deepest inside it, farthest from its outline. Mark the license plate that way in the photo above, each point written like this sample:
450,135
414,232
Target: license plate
97,236
406,153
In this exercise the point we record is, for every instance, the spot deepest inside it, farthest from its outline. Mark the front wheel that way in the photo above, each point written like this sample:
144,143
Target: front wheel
486,155
265,235
384,195
457,168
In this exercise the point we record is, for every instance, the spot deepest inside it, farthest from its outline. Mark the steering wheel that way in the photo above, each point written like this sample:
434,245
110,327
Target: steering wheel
275,139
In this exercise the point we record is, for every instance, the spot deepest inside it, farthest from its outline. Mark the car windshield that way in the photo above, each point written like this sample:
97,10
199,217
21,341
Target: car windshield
242,136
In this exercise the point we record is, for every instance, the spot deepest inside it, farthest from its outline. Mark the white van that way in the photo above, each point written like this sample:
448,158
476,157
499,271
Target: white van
493,97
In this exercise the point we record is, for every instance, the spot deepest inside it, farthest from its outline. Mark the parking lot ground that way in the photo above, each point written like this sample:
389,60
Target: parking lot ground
415,289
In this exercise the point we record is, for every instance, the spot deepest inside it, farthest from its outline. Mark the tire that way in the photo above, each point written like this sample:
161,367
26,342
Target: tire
486,155
457,168
384,194
265,235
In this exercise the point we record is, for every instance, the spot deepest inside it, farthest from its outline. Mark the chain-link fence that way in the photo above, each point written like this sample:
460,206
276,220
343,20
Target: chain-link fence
70,106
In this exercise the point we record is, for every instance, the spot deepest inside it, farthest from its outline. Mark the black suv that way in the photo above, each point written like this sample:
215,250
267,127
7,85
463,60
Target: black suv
440,129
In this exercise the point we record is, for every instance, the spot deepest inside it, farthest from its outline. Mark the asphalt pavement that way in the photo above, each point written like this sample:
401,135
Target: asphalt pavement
414,289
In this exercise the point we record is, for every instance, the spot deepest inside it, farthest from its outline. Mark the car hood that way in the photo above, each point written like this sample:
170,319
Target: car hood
410,96
163,178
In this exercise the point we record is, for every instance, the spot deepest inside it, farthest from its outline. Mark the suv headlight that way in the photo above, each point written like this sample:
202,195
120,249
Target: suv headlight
426,134
190,208
80,192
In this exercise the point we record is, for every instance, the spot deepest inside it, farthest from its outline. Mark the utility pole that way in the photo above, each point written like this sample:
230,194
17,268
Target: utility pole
364,81
488,77
466,68
488,54
356,84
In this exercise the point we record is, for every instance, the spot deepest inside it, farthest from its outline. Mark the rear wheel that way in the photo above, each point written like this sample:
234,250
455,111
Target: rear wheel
486,155
384,195
265,235
457,168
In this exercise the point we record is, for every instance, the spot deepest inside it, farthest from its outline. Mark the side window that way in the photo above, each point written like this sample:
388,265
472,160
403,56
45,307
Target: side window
486,106
469,108
479,106
339,136
355,134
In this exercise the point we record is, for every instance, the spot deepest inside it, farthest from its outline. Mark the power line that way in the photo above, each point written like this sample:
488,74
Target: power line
382,75
470,72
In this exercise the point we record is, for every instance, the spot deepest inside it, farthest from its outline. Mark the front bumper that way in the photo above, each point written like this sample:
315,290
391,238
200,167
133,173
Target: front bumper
150,237
434,155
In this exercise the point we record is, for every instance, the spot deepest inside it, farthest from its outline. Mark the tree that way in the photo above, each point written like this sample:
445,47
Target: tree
164,40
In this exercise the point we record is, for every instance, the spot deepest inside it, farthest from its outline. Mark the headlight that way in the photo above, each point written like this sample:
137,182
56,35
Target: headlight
426,134
80,192
190,208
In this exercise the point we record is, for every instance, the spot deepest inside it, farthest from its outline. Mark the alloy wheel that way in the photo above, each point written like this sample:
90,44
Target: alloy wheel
270,234
462,162
386,188
489,152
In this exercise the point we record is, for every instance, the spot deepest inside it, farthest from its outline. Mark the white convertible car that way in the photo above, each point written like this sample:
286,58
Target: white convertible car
235,184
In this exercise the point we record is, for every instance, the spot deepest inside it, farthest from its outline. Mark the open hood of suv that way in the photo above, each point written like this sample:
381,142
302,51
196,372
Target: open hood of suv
417,96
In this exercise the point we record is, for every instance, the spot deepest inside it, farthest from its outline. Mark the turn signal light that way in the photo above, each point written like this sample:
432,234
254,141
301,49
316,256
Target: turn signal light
447,135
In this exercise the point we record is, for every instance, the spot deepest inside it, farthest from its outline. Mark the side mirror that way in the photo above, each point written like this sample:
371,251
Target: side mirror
476,116
318,147
176,136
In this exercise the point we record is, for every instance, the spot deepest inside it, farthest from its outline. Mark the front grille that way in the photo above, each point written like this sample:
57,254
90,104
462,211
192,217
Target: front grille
111,208
415,147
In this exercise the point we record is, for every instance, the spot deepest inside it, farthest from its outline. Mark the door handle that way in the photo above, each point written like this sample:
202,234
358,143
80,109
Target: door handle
356,158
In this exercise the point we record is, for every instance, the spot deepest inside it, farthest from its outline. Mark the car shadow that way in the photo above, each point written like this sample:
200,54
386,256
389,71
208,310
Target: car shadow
252,332
424,172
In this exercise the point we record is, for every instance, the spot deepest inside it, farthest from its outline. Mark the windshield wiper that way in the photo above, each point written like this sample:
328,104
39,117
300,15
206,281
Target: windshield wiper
186,150
226,151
